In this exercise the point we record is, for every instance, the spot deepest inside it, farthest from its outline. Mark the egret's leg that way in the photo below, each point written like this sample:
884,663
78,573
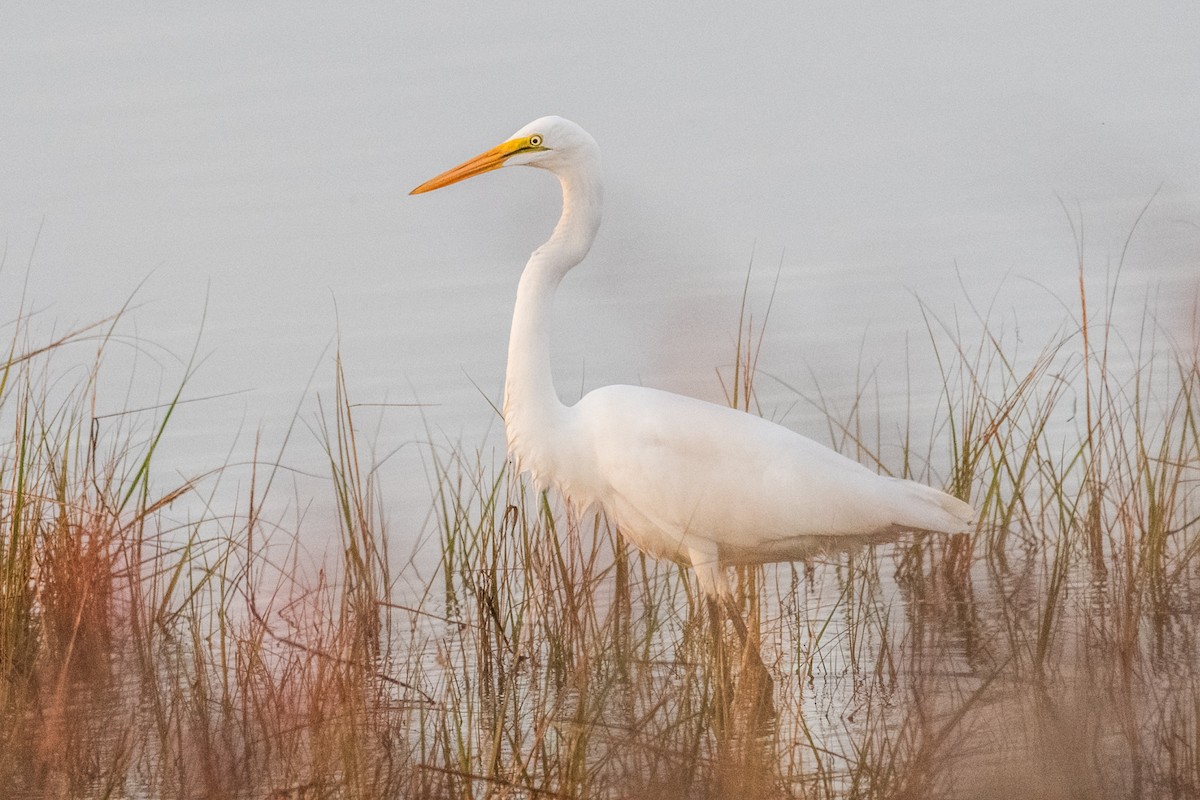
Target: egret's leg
735,614
709,573
714,582
756,680
715,623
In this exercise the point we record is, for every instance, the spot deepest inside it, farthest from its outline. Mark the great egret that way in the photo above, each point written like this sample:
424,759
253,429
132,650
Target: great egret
697,483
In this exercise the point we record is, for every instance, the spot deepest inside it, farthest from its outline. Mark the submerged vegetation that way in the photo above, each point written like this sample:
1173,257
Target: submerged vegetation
1054,652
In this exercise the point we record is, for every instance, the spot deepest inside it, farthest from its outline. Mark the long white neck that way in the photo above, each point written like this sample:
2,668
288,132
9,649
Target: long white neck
534,417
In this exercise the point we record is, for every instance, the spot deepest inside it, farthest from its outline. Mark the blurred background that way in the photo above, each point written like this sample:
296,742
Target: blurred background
239,176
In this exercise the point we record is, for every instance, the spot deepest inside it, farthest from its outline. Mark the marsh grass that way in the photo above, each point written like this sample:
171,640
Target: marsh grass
1050,653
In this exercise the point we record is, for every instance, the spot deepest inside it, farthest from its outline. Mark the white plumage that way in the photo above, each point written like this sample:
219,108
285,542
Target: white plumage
697,483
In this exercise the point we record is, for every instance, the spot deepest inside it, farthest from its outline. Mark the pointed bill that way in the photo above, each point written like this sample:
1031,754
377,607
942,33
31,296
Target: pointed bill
484,162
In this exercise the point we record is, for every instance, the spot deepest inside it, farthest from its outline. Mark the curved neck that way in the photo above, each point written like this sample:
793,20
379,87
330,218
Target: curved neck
533,413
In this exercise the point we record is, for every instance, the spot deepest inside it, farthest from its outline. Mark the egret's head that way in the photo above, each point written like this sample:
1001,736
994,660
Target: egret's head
551,143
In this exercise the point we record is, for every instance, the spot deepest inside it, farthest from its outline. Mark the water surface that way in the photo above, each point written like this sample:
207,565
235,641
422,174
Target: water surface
247,169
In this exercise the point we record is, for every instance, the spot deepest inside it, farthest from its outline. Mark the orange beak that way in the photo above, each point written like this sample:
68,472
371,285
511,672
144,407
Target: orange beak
484,162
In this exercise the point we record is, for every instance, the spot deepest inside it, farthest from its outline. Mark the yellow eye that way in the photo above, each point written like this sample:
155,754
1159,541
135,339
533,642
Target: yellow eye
535,140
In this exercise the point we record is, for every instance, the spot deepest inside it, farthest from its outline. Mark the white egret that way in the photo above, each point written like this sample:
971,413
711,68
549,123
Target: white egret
697,483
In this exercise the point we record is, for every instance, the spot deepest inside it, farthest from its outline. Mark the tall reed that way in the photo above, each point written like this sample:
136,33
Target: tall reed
1051,653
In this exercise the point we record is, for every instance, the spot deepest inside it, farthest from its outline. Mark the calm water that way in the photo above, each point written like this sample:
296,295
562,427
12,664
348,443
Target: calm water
242,174
248,170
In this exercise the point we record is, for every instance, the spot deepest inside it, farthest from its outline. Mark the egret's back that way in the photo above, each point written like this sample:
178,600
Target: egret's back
676,472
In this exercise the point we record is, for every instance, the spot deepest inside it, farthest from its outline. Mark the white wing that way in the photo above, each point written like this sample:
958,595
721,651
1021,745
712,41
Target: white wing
674,471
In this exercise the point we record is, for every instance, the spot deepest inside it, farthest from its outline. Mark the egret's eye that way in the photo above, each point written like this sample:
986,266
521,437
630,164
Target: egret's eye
535,140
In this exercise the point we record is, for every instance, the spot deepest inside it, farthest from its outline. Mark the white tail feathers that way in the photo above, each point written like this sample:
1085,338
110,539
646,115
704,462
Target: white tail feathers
923,508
